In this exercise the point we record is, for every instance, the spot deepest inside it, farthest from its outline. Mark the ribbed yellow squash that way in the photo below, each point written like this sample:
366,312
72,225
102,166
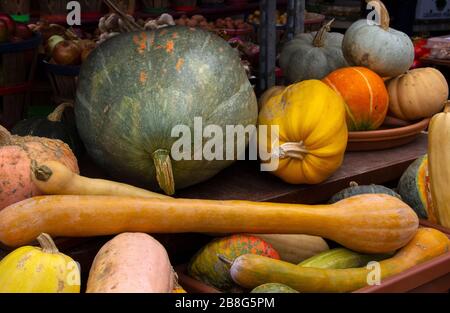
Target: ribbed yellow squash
439,164
39,270
312,132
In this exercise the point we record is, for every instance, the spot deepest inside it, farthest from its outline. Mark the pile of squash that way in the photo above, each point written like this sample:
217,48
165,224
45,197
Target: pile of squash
135,262
260,247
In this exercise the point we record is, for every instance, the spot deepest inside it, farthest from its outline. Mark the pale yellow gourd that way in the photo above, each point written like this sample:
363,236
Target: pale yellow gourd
312,132
419,93
439,164
39,270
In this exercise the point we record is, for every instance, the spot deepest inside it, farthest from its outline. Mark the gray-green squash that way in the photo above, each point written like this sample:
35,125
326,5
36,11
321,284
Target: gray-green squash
136,87
384,50
312,55
354,189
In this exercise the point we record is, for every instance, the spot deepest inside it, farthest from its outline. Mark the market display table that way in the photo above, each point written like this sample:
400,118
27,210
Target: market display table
244,181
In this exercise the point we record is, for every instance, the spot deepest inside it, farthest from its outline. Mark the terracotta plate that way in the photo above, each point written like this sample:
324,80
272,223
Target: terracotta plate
392,133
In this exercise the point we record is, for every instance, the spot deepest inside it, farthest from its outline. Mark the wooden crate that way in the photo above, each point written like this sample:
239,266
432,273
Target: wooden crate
17,67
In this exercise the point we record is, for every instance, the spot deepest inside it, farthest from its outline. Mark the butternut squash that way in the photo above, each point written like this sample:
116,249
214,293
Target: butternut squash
131,263
364,223
251,270
54,178
439,164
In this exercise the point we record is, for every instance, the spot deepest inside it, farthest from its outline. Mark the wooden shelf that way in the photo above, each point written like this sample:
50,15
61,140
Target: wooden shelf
218,10
244,181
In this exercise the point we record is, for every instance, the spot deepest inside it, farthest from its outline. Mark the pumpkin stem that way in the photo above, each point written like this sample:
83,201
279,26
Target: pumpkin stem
296,150
47,244
353,184
42,173
164,173
319,39
447,107
382,13
56,115
5,136
225,260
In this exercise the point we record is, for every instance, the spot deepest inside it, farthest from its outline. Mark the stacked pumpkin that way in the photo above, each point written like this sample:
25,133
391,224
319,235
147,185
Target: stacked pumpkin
327,56
369,81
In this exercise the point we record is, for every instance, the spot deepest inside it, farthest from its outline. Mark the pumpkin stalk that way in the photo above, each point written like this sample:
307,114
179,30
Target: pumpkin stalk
164,173
225,260
5,136
42,173
382,12
447,107
56,115
47,244
296,150
319,39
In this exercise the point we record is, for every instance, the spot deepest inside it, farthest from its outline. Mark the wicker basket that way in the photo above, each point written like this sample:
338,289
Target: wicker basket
18,9
17,67
56,10
155,6
211,2
63,80
127,6
184,5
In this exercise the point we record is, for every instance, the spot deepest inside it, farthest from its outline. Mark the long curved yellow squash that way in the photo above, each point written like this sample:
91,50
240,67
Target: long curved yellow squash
364,223
250,270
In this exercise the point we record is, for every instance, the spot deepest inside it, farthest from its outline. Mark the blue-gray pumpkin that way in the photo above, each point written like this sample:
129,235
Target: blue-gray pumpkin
136,87
312,55
384,50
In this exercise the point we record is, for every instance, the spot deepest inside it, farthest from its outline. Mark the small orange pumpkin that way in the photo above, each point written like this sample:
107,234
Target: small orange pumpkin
365,94
16,157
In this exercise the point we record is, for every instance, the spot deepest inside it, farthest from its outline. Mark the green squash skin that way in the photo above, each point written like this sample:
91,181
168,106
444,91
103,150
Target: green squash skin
206,266
363,189
136,87
340,258
301,60
410,185
42,127
273,288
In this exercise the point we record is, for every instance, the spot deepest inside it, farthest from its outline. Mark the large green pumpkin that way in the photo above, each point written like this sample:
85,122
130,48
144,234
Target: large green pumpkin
136,87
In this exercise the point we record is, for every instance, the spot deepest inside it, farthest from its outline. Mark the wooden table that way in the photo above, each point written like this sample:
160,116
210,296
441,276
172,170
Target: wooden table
244,181
436,62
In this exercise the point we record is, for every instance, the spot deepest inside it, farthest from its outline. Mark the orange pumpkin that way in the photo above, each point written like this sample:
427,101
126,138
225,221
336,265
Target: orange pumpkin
365,94
16,157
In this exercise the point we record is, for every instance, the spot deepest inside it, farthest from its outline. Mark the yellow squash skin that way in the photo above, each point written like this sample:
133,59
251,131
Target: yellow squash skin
39,270
312,131
373,223
439,164
250,271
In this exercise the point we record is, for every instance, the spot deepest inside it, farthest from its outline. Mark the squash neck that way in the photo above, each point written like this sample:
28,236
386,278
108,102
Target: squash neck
319,39
382,13
56,115
5,136
47,244
295,150
164,172
447,107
